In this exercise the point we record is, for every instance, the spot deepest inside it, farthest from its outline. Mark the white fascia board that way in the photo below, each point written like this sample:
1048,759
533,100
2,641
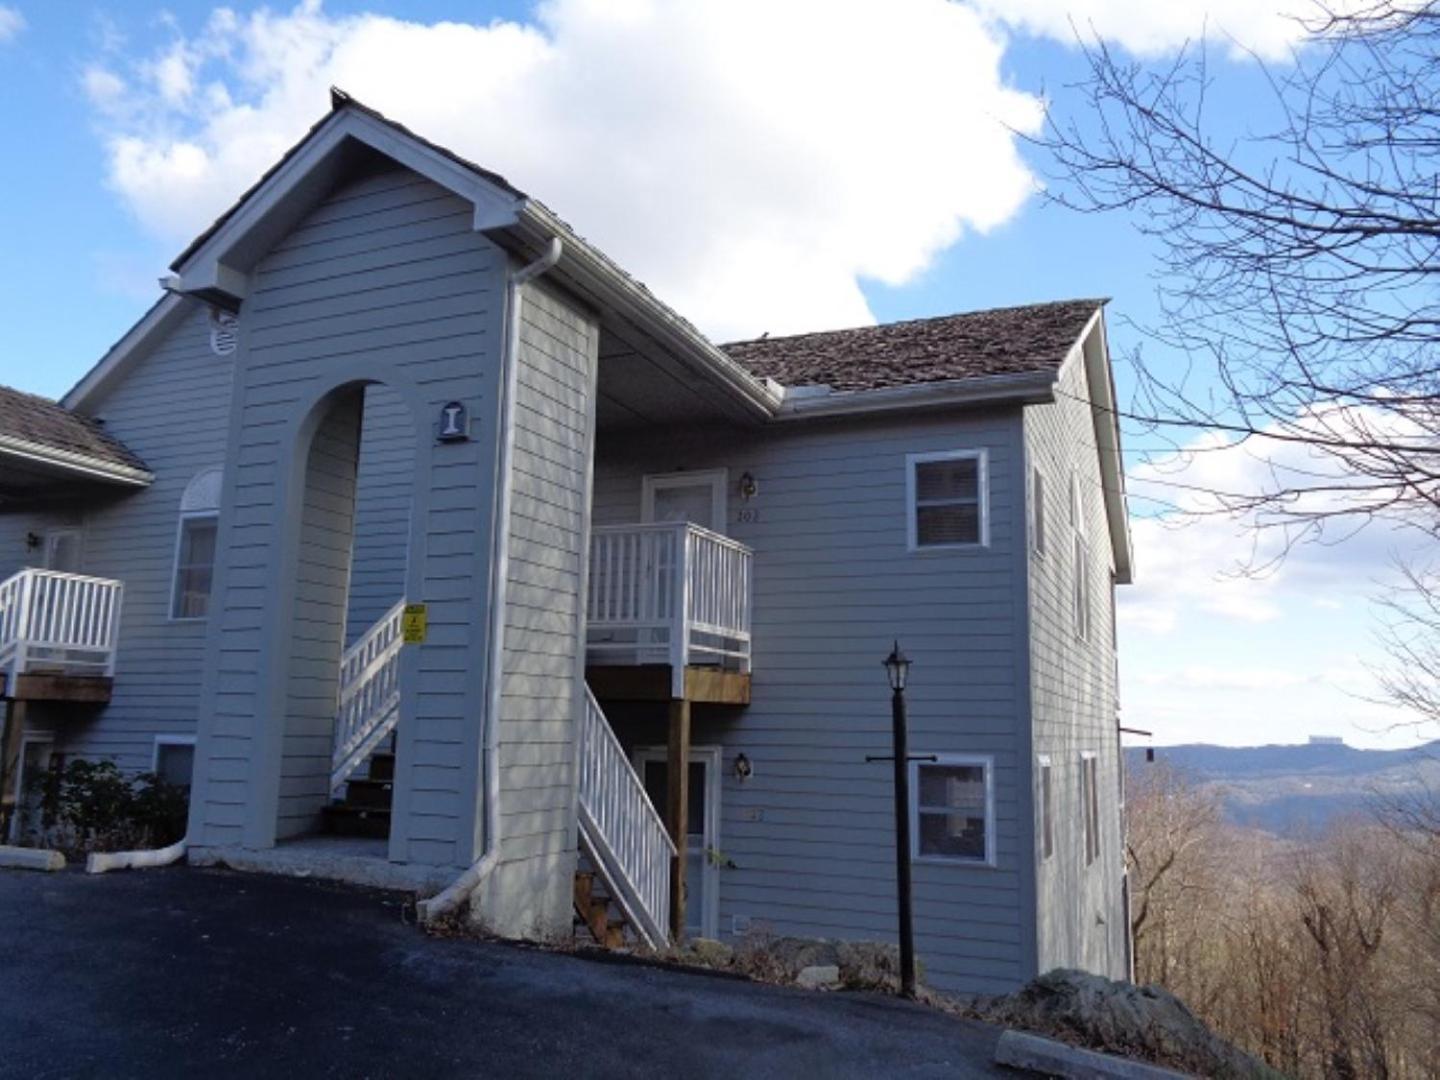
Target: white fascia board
153,324
1031,388
599,276
207,269
1100,378
74,462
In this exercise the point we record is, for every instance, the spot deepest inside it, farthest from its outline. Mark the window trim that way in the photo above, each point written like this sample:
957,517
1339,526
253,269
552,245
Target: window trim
981,456
186,517
986,762
718,479
1090,801
53,535
1081,599
1045,804
1038,535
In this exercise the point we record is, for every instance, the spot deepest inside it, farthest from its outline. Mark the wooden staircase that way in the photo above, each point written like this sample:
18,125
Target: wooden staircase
596,915
365,808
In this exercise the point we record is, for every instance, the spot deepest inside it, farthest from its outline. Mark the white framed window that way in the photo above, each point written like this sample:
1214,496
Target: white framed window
195,546
1090,804
698,497
952,809
948,500
174,760
1037,511
1045,799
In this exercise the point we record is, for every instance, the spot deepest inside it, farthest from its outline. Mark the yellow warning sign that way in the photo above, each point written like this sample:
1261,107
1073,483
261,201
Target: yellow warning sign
413,624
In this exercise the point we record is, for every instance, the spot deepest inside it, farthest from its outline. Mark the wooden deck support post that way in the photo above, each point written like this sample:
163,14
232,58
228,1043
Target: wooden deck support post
678,792
10,742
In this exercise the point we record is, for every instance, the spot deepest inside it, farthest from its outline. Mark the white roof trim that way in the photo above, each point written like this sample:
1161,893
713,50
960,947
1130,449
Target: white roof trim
1100,383
75,462
1036,387
217,265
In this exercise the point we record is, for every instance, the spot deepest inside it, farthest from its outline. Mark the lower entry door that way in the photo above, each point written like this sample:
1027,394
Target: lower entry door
702,875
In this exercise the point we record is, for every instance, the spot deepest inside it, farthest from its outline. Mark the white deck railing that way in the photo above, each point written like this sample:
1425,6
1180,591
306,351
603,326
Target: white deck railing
621,828
64,624
670,593
369,695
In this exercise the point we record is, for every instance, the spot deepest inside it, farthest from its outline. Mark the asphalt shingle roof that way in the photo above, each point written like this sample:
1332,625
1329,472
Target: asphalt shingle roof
39,420
1001,341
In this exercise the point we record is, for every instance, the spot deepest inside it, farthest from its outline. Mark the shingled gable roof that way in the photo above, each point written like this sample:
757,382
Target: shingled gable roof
1034,338
38,427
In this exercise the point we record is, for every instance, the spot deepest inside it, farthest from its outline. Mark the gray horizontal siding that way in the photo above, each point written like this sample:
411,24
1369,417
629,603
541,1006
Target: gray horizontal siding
833,585
1080,915
172,410
384,281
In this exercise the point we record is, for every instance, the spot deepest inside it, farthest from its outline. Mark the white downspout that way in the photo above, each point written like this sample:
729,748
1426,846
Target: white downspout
100,861
455,894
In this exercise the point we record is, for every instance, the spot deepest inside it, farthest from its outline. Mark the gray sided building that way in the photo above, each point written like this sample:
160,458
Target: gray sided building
386,378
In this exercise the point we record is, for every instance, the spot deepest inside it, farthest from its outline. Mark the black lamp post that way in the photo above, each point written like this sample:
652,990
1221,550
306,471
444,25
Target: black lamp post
897,668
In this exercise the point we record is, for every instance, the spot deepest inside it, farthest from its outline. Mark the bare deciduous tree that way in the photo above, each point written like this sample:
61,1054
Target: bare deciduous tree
1297,267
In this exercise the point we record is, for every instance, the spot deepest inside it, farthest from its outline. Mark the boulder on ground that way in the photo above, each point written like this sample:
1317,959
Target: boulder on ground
1142,1022
819,977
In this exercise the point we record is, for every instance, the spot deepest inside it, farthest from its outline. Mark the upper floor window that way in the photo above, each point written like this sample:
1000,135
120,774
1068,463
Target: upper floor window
952,809
1080,585
1037,511
1047,807
1090,805
948,502
195,546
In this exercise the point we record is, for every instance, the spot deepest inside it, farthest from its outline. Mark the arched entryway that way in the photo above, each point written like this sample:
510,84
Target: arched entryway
341,698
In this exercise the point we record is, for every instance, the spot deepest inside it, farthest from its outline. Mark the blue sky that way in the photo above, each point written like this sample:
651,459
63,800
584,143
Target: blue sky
99,96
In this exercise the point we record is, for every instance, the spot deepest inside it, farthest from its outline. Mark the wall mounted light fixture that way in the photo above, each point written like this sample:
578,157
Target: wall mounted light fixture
743,769
748,487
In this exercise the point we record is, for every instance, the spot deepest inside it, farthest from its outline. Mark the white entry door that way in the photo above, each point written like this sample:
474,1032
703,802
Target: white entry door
702,873
62,550
696,497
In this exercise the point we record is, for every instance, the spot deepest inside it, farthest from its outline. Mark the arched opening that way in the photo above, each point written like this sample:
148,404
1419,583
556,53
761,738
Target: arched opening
342,700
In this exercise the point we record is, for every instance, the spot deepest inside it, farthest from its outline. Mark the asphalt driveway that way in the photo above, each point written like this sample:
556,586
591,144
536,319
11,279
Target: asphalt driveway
183,972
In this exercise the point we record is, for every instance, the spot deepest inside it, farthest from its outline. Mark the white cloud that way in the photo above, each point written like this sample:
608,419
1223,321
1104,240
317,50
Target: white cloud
11,22
752,162
1148,28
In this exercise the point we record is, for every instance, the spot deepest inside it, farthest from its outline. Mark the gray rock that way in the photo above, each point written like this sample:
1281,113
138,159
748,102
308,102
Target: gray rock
1142,1022
710,953
818,977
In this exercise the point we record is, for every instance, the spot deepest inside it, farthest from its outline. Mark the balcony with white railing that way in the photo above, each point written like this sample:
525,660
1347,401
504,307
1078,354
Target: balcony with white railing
58,624
668,594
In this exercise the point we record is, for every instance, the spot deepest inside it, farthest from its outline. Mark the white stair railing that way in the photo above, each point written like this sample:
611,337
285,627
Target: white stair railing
369,695
622,830
67,624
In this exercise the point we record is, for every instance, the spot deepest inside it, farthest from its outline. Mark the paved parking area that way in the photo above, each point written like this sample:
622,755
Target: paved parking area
185,972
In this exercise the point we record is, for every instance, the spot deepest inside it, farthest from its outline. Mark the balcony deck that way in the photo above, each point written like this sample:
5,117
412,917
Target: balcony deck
58,634
668,614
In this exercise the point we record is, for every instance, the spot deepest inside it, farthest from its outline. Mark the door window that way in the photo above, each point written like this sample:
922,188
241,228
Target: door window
696,497
62,550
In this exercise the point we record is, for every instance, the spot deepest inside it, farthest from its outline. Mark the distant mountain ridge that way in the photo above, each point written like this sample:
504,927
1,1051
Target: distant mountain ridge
1292,790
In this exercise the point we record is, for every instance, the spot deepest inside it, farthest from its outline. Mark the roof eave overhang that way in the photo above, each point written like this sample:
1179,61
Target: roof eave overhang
80,465
1026,388
1093,350
217,268
595,276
